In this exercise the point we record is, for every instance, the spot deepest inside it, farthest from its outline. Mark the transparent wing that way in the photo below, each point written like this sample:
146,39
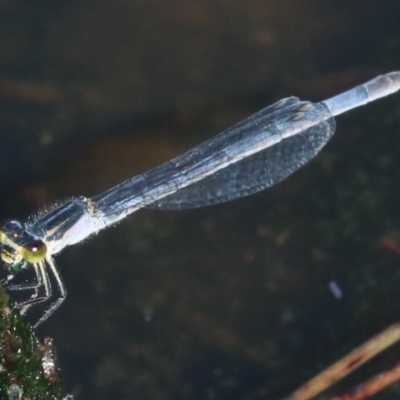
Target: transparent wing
256,153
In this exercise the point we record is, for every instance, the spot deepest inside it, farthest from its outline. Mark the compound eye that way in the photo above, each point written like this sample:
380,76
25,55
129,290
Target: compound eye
34,252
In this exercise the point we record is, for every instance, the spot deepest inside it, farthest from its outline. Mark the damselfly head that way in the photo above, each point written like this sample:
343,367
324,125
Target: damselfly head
18,246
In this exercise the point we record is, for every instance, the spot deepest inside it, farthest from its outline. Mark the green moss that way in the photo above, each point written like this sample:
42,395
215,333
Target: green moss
28,369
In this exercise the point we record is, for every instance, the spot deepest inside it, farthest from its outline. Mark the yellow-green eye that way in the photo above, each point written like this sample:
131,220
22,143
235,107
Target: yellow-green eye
34,252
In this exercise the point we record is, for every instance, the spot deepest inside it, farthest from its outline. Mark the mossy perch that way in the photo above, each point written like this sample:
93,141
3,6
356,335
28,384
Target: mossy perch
28,368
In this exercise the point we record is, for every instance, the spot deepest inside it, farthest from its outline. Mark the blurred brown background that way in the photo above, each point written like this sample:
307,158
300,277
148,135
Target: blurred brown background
233,301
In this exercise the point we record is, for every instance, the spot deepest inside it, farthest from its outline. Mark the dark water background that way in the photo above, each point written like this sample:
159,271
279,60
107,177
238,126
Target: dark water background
228,302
